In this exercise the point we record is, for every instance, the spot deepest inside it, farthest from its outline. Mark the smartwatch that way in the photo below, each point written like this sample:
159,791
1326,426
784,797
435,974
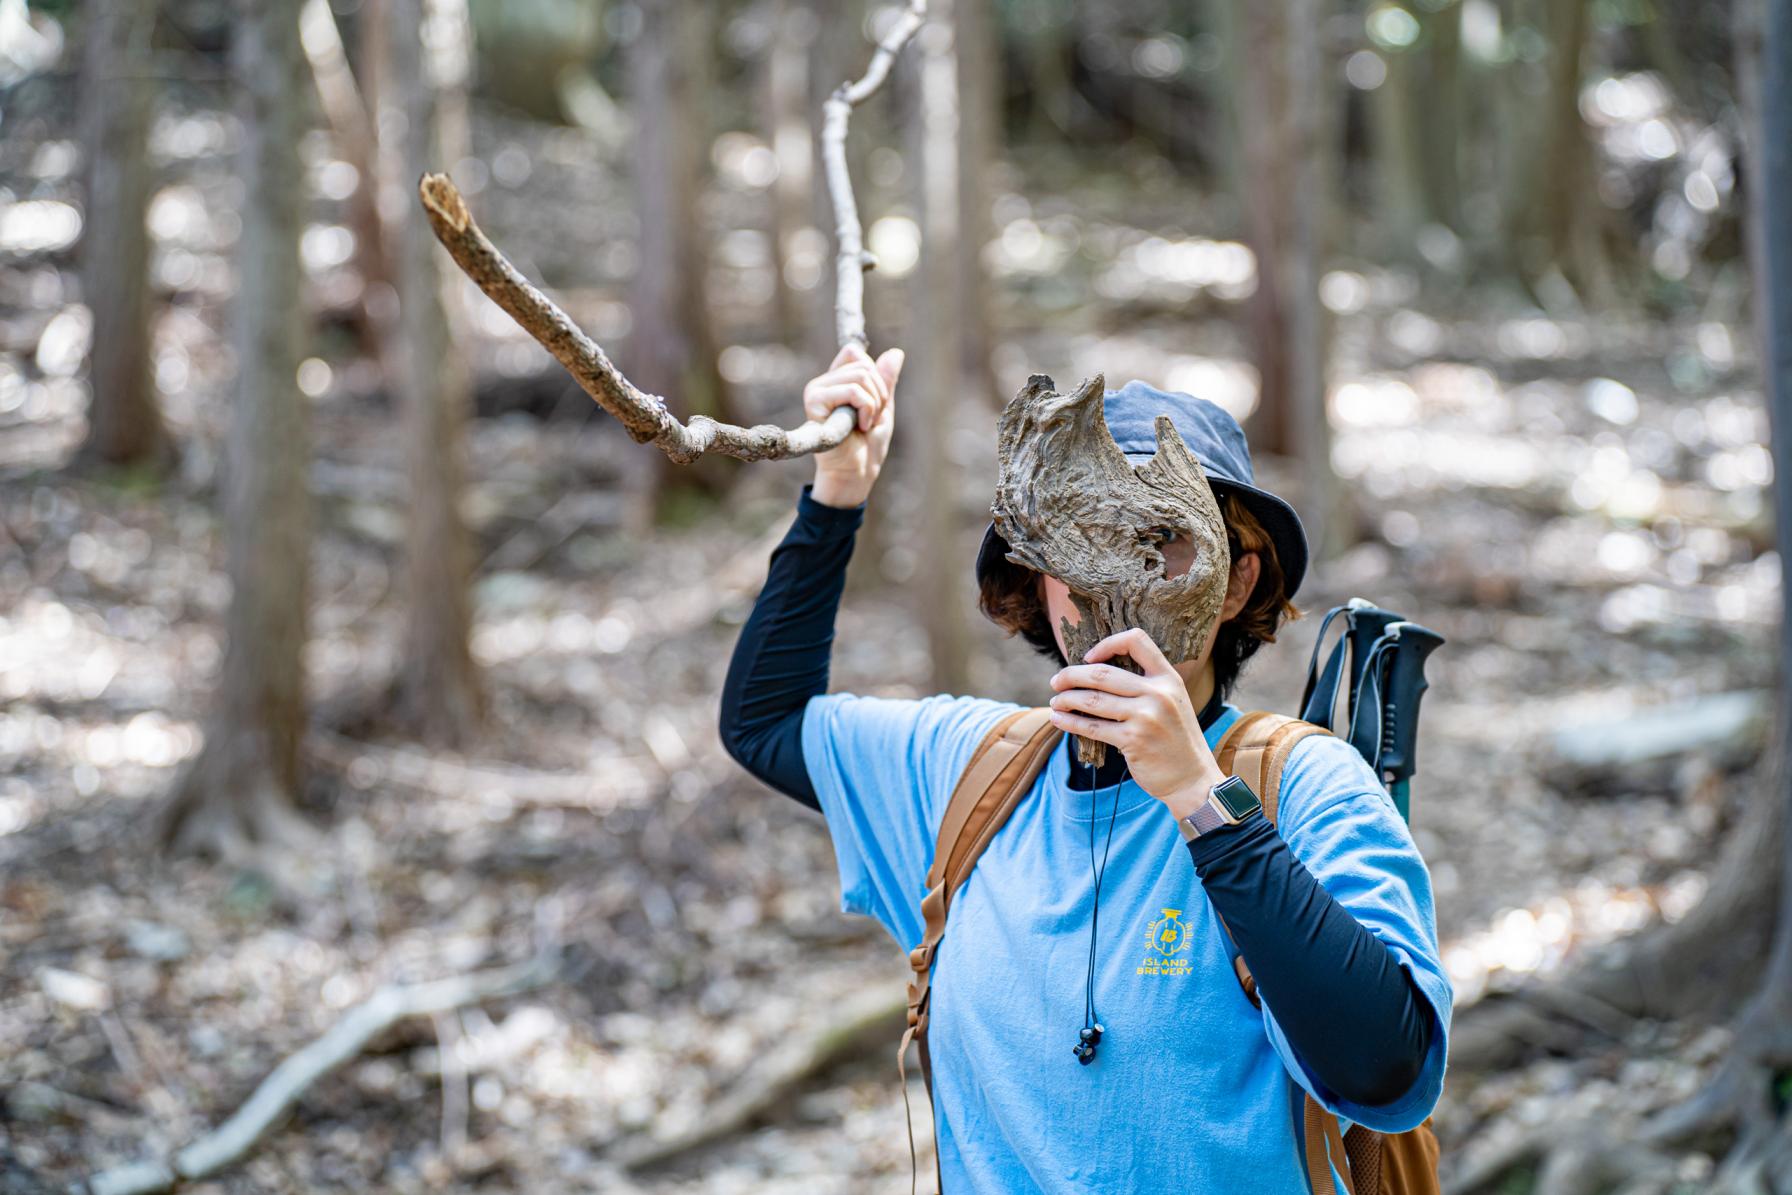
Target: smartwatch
1228,803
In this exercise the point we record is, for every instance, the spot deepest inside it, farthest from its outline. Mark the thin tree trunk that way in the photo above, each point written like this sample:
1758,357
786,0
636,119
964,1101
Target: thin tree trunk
1328,513
979,65
789,116
124,425
1743,1102
1555,223
1281,154
238,791
1766,1032
1443,131
348,106
673,348
438,695
1262,125
938,308
1401,195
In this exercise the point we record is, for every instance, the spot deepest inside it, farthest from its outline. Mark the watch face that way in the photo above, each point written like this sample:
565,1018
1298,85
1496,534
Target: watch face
1236,796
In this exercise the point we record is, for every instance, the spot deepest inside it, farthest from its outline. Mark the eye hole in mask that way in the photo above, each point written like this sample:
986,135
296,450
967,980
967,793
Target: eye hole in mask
1173,547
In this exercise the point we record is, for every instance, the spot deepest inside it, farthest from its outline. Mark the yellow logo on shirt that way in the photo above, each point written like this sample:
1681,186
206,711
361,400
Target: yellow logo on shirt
1166,943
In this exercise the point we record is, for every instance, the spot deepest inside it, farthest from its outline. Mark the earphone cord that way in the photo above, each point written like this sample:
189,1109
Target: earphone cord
1095,914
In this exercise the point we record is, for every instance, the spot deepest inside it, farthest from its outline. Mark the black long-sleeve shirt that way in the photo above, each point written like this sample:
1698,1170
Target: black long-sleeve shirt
1347,1006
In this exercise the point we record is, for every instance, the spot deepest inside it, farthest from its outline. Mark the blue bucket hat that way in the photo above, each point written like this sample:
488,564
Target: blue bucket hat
1217,442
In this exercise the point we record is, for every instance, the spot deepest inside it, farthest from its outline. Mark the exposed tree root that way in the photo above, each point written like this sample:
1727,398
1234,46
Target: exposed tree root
1706,963
231,804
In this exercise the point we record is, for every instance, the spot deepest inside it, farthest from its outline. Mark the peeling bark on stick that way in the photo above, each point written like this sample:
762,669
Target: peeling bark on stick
644,415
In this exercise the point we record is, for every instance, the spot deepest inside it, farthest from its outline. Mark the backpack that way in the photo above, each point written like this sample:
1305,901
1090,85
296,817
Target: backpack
999,776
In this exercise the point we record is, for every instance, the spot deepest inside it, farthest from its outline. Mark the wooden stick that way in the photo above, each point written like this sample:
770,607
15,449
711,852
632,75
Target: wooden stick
646,416
233,1140
852,261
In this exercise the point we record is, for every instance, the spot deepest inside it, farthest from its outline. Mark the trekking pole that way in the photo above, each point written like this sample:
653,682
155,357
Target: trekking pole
1364,623
1384,725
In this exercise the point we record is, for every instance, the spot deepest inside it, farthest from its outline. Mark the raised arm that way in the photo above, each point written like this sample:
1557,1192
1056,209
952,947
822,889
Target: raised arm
781,658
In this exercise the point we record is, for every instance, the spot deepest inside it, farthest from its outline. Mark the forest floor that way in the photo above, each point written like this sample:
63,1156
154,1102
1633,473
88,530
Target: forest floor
1576,504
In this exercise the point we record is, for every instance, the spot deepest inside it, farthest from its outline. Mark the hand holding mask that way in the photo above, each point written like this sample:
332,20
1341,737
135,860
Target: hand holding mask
1071,505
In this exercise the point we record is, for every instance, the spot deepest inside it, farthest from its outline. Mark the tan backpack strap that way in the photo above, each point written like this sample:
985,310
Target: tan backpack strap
1256,748
987,781
1324,1145
998,778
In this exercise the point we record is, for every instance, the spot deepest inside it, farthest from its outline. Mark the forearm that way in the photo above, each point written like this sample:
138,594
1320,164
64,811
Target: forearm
781,657
1347,1006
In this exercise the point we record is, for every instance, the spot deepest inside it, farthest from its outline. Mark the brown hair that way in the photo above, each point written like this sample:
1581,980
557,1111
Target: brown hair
1011,598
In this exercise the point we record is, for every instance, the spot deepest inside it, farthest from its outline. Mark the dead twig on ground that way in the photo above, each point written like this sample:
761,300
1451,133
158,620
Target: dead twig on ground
238,1136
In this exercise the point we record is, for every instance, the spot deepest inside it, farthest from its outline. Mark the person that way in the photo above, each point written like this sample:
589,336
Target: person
1195,1089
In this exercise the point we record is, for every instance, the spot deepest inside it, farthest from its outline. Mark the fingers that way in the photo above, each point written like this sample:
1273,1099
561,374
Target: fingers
1135,643
1106,706
1106,677
1099,729
890,366
819,401
870,386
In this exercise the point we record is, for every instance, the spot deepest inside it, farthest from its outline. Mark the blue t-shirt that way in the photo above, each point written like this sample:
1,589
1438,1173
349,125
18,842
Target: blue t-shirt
1194,1088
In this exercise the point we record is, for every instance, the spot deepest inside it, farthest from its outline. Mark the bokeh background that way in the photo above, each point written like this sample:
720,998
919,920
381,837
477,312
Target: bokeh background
344,642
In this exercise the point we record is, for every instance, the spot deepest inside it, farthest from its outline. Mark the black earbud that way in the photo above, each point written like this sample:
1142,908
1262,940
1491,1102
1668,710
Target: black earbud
1088,1038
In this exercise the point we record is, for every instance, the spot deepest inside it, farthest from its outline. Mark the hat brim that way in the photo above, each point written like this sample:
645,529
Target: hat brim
1278,518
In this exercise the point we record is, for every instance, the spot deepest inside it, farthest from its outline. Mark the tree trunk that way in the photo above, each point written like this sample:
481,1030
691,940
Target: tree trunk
937,308
1761,1058
238,791
1555,221
979,137
349,106
438,696
1396,118
1443,131
124,426
791,121
672,350
1281,155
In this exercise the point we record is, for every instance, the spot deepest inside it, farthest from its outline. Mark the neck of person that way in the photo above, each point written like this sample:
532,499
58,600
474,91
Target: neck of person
1202,692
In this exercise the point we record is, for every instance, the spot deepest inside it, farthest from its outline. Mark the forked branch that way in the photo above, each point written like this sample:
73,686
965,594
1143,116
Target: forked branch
645,415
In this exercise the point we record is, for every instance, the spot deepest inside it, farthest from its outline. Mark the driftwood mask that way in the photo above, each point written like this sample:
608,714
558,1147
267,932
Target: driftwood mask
1071,505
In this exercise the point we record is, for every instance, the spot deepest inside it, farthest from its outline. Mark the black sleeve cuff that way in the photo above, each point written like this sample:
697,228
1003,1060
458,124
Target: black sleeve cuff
825,522
1224,841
